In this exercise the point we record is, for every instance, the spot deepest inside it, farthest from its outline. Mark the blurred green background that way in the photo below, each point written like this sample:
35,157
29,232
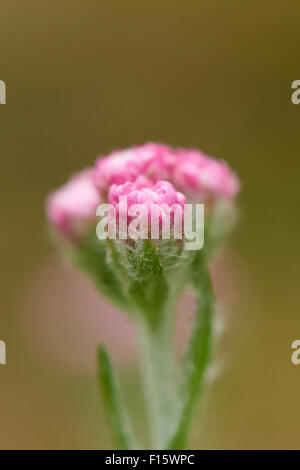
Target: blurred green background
84,77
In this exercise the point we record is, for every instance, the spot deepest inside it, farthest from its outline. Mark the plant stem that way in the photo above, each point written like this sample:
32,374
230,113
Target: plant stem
157,370
197,355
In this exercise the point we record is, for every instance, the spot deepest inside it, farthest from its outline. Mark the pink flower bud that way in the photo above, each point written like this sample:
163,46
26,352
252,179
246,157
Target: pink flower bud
154,161
160,196
70,207
204,177
149,173
190,171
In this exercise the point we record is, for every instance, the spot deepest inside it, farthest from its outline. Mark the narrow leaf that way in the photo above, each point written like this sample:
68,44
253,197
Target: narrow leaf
111,396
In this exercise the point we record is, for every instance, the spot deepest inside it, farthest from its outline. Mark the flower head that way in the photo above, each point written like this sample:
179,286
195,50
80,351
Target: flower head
195,174
147,174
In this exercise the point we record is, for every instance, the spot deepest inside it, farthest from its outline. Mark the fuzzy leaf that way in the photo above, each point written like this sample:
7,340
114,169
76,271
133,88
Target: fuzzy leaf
111,396
92,257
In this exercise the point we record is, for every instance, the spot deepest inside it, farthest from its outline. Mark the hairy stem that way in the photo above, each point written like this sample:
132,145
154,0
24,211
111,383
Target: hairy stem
157,364
197,355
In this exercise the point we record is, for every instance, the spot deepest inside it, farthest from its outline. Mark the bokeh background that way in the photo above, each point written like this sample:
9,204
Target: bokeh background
84,77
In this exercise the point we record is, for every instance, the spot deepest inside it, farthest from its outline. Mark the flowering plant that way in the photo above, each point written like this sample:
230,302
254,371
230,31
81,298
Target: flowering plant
145,275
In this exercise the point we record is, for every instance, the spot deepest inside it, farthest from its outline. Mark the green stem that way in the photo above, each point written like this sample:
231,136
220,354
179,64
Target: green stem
157,364
198,353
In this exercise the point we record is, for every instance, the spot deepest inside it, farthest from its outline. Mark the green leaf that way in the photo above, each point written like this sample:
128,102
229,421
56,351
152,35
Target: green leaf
92,257
198,352
111,396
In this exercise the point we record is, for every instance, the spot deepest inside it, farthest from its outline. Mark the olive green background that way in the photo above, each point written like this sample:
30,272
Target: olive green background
84,77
